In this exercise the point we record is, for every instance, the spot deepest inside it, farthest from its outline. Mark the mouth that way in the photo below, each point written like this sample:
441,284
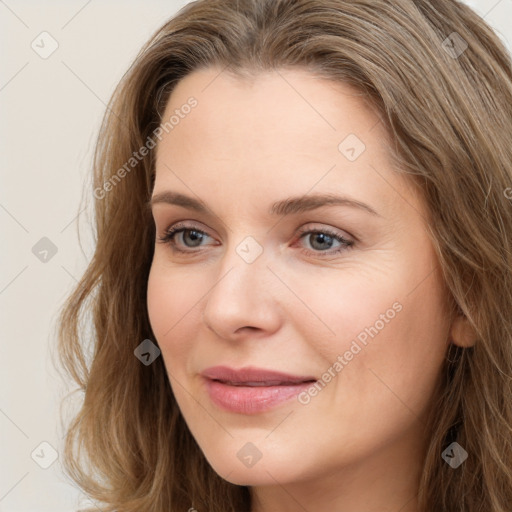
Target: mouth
252,376
250,390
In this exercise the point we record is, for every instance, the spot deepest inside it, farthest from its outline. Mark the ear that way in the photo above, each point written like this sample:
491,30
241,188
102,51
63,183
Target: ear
462,333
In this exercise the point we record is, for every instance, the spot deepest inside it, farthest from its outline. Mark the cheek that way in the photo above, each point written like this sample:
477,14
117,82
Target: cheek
171,297
388,322
402,347
338,306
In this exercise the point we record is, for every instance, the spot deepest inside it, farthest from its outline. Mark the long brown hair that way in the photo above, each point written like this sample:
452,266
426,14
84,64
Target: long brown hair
441,81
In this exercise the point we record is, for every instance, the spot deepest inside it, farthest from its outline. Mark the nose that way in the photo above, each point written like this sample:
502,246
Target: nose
244,299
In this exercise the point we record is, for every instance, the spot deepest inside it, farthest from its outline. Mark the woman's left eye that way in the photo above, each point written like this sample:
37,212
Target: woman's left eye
319,240
323,237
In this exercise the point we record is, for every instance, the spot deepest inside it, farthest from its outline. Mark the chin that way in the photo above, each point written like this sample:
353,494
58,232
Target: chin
263,472
248,478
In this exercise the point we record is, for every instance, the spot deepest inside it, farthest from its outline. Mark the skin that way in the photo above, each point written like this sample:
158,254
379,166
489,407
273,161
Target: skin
358,444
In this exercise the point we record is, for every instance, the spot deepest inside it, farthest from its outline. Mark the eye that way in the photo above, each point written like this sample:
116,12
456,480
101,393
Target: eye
188,236
321,241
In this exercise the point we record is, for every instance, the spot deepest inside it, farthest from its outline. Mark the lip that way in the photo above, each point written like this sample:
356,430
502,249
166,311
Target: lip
251,390
252,374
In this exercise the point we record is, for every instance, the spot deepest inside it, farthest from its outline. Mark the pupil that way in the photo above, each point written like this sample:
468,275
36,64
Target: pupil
195,236
323,238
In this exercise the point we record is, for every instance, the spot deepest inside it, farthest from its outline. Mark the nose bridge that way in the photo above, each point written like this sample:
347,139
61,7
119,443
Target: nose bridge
243,269
241,295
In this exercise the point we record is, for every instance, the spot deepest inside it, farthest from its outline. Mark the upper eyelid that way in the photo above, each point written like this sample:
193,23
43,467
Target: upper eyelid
177,226
197,227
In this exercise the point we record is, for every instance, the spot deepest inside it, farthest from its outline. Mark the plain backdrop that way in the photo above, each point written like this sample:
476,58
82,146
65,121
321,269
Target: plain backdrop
50,111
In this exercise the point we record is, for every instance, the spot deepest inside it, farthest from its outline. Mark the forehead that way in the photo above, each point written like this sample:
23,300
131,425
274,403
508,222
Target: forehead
273,102
286,128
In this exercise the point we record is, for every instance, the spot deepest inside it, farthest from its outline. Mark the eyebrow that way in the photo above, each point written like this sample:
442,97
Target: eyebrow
291,205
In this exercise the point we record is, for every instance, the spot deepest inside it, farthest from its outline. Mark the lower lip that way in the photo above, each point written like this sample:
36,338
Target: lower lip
251,399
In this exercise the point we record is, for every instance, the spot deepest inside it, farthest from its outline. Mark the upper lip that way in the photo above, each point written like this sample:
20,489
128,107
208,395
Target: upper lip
252,374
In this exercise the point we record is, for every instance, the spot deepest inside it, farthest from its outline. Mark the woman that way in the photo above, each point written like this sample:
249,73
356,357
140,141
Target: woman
302,282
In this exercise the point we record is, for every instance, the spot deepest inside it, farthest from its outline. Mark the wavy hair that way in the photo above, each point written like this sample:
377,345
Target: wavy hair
441,82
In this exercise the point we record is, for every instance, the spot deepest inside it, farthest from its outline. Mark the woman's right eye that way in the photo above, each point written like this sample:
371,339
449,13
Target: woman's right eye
187,236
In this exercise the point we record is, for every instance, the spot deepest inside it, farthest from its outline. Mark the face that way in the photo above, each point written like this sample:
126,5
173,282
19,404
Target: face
268,270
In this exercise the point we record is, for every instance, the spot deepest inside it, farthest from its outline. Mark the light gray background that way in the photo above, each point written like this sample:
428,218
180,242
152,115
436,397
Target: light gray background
50,111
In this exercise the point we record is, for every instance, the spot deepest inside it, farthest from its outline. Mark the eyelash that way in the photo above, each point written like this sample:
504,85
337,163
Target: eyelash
169,235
